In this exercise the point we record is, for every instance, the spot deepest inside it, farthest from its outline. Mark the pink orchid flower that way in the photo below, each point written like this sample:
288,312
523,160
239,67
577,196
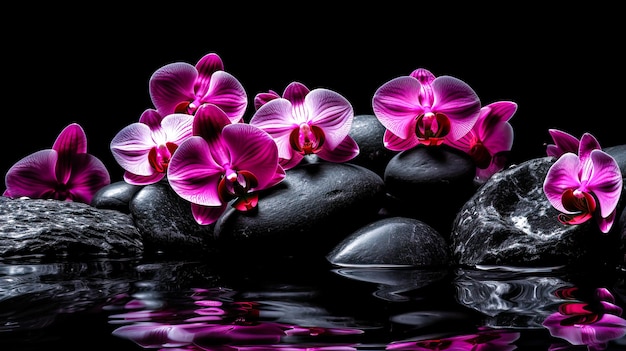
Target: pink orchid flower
182,88
223,161
586,185
144,149
563,142
305,122
66,172
490,140
423,109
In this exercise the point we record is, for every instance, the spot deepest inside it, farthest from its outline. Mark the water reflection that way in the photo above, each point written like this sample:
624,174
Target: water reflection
206,305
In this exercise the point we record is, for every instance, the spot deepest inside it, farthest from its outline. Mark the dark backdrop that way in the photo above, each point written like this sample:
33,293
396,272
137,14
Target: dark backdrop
565,69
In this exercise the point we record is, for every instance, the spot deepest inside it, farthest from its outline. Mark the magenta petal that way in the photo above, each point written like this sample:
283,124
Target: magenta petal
253,150
396,105
177,127
172,84
276,118
458,101
130,148
205,215
151,117
261,99
88,175
609,327
587,144
291,162
563,142
71,140
498,138
206,66
296,92
193,174
562,175
331,112
33,176
605,182
135,179
394,143
227,93
344,152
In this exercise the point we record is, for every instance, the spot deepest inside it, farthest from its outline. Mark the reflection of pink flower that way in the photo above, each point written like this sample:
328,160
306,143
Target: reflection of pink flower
591,324
484,340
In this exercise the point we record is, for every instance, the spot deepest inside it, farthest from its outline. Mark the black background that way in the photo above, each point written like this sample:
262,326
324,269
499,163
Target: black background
563,66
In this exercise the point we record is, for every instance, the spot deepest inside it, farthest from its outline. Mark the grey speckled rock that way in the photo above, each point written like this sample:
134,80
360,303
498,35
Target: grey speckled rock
310,211
165,221
60,228
394,241
509,221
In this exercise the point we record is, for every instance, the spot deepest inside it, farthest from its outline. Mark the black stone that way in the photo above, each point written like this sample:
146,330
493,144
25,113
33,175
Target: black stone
166,222
368,133
430,184
309,212
115,196
392,242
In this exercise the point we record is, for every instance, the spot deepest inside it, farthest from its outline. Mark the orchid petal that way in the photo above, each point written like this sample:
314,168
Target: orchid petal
275,118
395,143
33,176
172,84
498,138
130,148
396,105
135,179
345,151
177,127
262,98
206,67
562,175
458,101
332,113
608,327
193,174
207,214
587,144
88,175
253,150
292,161
605,182
152,118
208,123
563,142
296,92
71,141
227,93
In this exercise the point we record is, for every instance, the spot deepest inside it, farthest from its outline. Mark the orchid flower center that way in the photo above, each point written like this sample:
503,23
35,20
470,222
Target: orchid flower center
307,139
580,202
61,192
159,156
186,107
238,185
431,128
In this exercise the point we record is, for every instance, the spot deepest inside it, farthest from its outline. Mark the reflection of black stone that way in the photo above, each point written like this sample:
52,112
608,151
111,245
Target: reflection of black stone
509,299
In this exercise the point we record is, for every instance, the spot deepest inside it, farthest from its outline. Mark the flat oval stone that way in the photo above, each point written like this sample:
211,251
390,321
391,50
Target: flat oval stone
313,208
392,242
